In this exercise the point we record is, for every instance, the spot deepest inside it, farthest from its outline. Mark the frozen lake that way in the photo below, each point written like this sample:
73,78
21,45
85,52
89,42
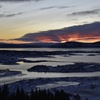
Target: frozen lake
52,60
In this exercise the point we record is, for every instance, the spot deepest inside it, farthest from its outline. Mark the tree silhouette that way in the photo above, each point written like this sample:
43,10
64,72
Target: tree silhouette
19,93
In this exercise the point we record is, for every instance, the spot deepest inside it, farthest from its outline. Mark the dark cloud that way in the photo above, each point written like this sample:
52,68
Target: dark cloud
82,13
52,7
81,32
63,7
10,15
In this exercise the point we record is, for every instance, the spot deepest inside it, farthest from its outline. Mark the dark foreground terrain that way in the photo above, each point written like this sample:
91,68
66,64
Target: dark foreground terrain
20,94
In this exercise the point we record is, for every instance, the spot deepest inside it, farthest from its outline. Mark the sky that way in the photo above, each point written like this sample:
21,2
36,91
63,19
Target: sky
21,17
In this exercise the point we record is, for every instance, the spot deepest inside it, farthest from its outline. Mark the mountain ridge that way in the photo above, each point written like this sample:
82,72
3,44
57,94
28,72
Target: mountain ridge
71,44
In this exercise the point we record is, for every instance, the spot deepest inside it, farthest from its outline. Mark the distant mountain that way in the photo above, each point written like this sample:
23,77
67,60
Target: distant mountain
52,45
29,45
77,45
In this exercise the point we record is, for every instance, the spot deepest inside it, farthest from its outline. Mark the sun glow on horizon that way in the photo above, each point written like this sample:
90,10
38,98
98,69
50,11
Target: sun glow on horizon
14,42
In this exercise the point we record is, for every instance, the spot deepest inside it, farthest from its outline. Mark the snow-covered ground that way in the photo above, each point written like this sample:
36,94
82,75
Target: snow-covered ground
86,87
8,73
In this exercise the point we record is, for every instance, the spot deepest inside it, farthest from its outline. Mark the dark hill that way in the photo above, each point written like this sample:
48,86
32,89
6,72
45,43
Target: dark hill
77,45
53,45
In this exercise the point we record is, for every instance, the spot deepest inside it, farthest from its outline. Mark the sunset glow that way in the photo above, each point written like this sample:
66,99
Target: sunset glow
19,18
13,42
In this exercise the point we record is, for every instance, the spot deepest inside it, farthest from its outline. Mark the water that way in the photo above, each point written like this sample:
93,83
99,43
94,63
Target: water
51,49
35,75
53,61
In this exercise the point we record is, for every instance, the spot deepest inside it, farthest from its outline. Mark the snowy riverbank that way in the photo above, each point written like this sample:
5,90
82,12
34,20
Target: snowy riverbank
84,86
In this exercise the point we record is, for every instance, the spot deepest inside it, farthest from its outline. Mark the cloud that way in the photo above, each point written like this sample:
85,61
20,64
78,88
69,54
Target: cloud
19,0
53,7
63,7
46,8
74,33
83,13
10,15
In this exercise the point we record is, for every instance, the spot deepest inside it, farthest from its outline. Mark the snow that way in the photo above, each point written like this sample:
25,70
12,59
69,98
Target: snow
86,87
